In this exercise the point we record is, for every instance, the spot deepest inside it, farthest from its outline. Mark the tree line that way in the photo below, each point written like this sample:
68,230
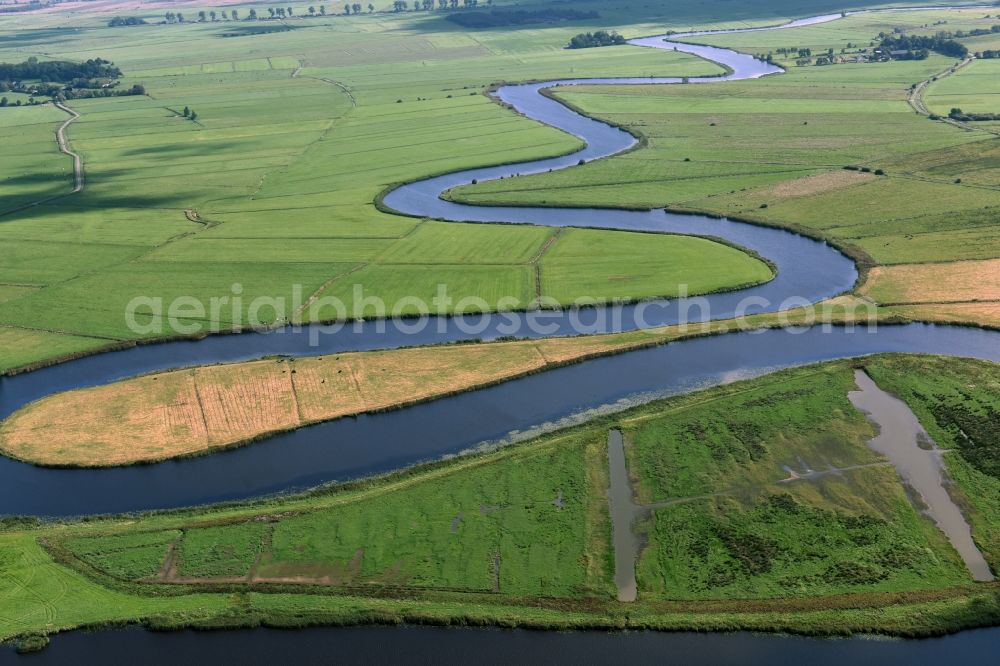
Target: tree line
273,13
125,20
61,71
958,114
587,40
62,80
918,47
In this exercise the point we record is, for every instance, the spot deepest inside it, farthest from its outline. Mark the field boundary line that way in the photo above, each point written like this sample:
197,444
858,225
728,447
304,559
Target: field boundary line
535,260
295,394
55,331
201,408
322,136
297,315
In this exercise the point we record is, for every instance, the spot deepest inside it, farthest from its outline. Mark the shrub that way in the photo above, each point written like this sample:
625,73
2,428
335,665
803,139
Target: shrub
31,643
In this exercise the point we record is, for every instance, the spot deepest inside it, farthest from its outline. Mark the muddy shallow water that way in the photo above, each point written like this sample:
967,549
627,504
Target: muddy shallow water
621,504
902,440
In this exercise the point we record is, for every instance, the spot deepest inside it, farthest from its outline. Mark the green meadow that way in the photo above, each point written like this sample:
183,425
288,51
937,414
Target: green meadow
847,532
774,150
974,89
32,168
273,187
505,535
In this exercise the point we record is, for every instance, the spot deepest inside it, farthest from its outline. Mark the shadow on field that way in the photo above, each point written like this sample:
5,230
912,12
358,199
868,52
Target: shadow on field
255,30
199,149
88,200
38,179
38,37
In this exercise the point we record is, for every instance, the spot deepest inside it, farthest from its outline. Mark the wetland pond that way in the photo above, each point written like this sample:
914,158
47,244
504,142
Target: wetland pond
918,461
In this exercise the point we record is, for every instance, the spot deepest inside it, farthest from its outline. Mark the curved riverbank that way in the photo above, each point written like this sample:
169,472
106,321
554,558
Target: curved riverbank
808,271
512,411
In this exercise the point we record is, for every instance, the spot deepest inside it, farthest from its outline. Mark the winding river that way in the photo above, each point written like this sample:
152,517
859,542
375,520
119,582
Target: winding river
807,271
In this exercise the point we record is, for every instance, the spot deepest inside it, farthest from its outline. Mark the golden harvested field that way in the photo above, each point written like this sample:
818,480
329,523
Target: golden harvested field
979,314
191,411
817,184
952,282
196,410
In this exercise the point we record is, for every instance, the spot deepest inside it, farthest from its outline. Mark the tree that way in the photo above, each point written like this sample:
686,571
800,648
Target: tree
322,10
128,20
194,115
371,8
138,89
235,16
453,4
201,16
347,8
225,15
428,5
312,11
399,5
356,8
3,101
212,14
187,112
270,10
289,11
171,17
442,4
253,14
180,17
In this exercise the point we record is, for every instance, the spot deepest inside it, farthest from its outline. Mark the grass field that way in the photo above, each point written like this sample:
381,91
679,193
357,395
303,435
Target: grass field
774,151
32,168
845,532
521,535
274,185
974,89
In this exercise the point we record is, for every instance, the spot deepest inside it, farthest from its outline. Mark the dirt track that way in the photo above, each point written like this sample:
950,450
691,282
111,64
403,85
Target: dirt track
64,147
